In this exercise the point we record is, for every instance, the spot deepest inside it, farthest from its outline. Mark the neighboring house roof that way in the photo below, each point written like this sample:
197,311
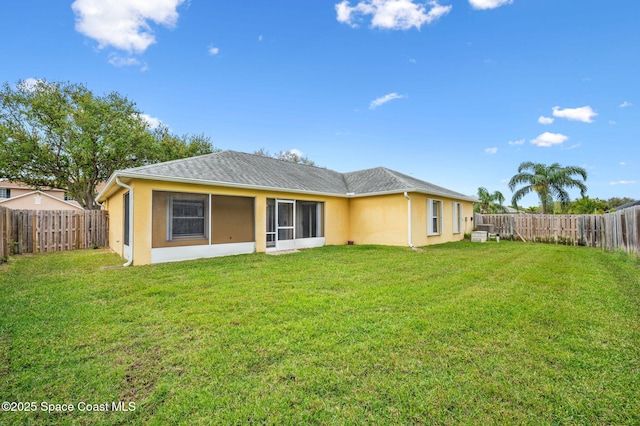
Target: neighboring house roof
631,204
237,169
20,202
511,210
20,185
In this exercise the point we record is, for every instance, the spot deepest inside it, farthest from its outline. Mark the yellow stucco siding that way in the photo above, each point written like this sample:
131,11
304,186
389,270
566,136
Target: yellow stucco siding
379,219
420,219
384,220
115,206
336,212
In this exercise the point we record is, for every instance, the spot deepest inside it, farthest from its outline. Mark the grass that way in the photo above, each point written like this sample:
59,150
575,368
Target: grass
462,333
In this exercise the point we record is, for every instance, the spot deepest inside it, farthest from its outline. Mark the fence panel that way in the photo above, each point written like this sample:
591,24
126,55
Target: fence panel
6,232
611,231
40,231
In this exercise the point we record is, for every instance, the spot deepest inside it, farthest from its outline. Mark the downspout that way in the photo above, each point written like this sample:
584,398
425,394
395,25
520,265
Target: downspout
124,185
410,241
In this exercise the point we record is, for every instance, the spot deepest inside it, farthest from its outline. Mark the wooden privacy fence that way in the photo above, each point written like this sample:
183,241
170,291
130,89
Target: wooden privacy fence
40,231
611,231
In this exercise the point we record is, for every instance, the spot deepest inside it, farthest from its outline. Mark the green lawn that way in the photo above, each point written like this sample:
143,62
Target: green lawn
462,333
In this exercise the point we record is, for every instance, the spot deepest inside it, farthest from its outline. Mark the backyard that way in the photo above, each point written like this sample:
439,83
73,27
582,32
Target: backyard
458,333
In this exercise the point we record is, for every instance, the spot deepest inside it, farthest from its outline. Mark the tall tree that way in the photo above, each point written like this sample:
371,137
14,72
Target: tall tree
549,182
489,203
62,135
614,202
586,205
172,147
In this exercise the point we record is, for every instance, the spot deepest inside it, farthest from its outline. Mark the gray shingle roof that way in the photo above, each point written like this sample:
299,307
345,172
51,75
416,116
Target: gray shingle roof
249,169
631,204
237,168
381,179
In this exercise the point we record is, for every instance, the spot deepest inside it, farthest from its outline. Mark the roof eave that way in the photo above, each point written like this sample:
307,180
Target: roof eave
415,190
102,195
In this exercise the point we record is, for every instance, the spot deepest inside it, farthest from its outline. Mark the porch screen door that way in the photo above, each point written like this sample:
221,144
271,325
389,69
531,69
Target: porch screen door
285,221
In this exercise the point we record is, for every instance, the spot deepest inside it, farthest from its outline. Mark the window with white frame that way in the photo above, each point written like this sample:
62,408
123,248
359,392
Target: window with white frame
457,218
5,193
434,217
187,216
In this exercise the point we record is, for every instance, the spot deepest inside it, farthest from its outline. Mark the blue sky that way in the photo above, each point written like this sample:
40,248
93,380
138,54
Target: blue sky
455,92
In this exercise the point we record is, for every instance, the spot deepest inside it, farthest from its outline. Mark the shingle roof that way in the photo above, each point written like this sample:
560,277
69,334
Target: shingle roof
381,179
251,170
240,169
631,204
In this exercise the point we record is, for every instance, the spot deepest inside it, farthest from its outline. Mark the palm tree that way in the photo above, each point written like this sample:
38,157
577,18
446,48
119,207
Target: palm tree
490,203
549,182
587,205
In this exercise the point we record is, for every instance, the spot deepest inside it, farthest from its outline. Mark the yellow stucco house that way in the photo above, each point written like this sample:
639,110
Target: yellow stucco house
233,203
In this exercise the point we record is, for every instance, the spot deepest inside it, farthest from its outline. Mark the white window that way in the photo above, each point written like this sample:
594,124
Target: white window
457,218
434,217
187,216
5,193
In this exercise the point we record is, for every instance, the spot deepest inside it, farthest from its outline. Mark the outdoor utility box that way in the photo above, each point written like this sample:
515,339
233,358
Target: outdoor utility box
486,228
479,236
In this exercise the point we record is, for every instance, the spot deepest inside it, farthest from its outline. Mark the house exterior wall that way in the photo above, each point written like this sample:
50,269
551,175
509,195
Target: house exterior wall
380,219
420,219
336,212
36,201
384,220
115,206
21,189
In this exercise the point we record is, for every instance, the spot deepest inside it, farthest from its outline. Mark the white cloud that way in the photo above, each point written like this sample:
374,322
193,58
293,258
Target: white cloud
574,146
547,139
626,104
623,182
391,14
124,24
122,61
491,151
584,114
518,142
622,163
153,122
545,120
384,99
260,38
213,51
488,4
612,122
